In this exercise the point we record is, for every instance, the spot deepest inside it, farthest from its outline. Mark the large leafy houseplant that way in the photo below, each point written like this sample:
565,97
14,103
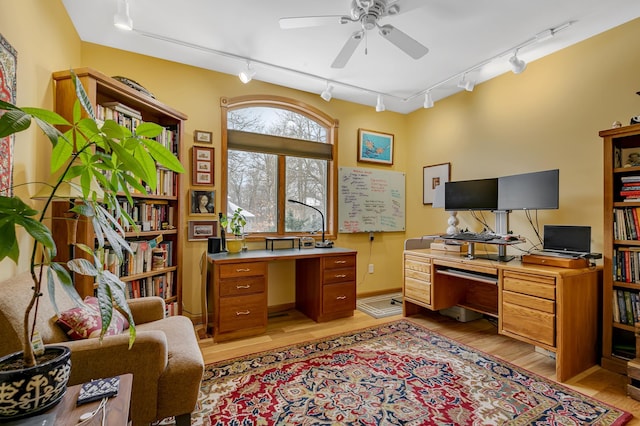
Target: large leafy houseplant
85,152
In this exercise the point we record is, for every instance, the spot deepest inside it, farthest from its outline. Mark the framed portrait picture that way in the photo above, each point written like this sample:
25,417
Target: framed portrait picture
200,136
203,202
630,157
432,176
375,147
202,229
202,166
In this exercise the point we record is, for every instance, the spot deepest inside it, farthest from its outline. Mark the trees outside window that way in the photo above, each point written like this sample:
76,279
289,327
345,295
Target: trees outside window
274,150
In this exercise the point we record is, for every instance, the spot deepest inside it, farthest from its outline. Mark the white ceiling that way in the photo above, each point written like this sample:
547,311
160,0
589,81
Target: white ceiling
460,35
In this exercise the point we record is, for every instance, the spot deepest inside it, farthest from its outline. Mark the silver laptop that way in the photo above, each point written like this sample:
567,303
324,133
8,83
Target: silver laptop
566,240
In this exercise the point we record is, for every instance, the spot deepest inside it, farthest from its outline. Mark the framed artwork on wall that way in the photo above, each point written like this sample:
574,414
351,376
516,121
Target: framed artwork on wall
201,136
203,202
8,69
202,229
432,176
375,147
202,166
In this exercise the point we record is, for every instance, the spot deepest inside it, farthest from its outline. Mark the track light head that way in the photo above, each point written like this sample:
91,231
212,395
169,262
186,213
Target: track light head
517,65
246,75
122,19
380,104
326,93
465,84
428,100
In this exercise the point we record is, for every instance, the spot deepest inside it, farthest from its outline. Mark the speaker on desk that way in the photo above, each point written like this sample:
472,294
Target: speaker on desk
213,245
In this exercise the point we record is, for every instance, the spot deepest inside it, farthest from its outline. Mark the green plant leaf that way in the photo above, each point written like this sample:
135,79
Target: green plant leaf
105,303
8,243
82,266
82,96
14,121
64,278
148,129
163,156
147,163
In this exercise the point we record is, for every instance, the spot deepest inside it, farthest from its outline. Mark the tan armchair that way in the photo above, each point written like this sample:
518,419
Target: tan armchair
165,360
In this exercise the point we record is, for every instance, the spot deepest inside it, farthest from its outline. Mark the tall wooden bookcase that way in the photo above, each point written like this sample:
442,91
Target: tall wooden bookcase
621,246
121,102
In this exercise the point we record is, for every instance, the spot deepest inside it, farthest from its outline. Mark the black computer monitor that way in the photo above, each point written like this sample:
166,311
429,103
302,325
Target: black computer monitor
529,191
478,194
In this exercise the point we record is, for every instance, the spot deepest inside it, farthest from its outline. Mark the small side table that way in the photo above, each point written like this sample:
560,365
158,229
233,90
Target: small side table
68,413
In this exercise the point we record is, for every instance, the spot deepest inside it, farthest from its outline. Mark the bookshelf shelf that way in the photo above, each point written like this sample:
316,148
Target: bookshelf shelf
158,214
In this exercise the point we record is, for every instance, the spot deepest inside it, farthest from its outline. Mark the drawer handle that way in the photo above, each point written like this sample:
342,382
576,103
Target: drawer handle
341,297
243,286
242,313
339,261
340,275
243,269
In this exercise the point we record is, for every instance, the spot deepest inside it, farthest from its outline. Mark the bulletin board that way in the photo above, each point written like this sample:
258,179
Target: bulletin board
370,200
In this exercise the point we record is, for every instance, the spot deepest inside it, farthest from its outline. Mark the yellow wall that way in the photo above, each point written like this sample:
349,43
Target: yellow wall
45,40
547,117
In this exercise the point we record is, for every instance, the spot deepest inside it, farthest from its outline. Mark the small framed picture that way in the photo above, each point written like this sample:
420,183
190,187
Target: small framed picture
203,202
630,157
375,147
202,229
433,176
200,136
202,166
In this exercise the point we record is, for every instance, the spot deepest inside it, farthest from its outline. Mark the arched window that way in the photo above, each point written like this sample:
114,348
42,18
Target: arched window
275,149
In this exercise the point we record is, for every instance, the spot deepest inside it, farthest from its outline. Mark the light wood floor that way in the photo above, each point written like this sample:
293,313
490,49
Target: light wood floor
293,327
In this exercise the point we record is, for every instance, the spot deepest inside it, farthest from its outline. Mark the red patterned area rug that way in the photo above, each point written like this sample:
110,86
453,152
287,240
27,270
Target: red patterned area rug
395,374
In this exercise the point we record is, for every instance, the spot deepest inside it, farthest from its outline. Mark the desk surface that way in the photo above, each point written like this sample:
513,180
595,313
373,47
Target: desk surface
278,254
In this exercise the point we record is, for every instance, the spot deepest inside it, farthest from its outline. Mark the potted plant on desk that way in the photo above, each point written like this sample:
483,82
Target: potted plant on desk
96,161
236,224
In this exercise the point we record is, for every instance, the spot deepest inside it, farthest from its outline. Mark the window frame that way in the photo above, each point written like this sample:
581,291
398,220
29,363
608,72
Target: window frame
330,124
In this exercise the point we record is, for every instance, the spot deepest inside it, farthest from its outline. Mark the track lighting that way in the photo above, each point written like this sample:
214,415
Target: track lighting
380,104
246,74
326,93
122,19
517,65
465,84
428,100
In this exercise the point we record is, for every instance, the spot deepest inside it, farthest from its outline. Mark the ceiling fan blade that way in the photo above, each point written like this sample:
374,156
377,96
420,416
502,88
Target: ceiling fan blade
347,50
405,43
310,21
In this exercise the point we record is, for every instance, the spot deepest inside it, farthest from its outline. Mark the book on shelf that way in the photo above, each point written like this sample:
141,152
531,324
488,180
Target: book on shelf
626,307
125,109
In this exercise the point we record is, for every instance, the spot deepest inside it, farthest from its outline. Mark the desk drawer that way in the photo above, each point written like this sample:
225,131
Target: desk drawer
339,275
417,290
418,275
240,286
338,297
530,323
241,312
246,269
333,262
536,303
533,285
419,264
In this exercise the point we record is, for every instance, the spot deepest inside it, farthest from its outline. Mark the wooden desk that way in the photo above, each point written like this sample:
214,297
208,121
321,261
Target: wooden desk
235,289
553,308
67,413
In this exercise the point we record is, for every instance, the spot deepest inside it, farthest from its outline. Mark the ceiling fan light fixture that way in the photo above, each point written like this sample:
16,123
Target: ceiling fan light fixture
326,93
246,75
517,64
428,100
122,19
380,104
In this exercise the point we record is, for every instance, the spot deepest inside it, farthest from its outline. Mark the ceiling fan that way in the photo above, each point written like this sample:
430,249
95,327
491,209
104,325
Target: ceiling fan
367,13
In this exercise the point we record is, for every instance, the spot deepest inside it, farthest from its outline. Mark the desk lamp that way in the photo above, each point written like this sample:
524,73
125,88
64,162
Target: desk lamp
319,244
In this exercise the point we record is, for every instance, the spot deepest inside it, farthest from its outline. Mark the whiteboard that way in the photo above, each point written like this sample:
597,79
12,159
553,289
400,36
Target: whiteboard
370,200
